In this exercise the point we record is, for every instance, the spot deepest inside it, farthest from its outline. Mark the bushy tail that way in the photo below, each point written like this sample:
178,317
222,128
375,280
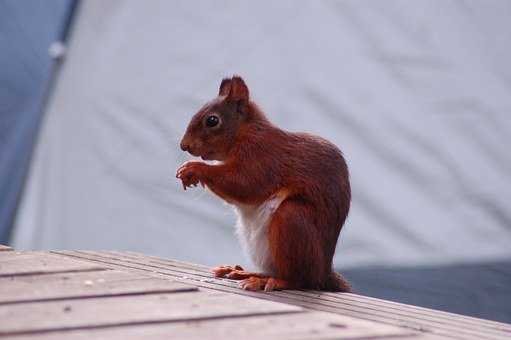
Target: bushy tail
336,283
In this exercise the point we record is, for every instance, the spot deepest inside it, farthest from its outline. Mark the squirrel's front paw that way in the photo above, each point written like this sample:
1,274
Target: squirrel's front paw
189,173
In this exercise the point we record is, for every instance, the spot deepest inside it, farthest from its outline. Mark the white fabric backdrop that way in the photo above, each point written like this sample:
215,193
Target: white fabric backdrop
416,94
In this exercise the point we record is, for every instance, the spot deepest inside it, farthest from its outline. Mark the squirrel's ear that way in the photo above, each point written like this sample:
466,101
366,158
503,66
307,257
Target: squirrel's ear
225,87
238,90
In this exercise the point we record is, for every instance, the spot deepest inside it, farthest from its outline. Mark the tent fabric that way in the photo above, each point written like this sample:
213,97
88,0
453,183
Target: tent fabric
415,94
27,29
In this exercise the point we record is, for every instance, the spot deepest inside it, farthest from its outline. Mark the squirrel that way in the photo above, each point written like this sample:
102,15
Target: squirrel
291,191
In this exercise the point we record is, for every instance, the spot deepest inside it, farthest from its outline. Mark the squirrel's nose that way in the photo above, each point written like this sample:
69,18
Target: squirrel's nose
185,146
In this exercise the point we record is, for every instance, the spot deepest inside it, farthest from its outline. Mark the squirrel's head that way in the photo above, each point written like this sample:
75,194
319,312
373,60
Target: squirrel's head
212,131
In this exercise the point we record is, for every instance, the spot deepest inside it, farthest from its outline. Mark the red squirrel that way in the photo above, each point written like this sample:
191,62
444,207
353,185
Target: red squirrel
291,191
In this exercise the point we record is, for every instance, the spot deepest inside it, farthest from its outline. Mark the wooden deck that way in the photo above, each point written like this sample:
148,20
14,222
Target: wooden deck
122,295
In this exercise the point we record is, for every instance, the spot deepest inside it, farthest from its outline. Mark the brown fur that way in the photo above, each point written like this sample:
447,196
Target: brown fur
259,160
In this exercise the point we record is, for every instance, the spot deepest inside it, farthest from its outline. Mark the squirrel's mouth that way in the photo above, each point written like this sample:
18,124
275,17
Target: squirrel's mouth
210,156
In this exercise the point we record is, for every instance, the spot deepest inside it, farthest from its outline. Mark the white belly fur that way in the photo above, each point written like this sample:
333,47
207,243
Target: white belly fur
252,230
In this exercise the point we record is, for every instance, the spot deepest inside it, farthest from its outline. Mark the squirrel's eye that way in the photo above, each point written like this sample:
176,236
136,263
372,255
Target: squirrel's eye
212,121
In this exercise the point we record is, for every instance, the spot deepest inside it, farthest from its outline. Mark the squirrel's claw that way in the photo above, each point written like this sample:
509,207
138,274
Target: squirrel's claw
188,174
253,283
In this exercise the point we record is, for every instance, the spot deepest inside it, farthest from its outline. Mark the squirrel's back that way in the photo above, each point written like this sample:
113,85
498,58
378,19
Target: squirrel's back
300,162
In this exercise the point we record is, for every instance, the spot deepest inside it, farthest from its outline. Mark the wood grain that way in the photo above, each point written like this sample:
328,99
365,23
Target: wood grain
126,310
457,327
14,263
310,325
83,285
388,306
370,301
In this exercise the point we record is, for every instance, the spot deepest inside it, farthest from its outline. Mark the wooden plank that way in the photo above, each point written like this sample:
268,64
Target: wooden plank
14,263
448,328
83,285
296,326
125,310
387,306
5,248
231,286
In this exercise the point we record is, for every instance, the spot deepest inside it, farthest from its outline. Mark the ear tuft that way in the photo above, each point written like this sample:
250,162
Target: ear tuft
238,90
225,87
